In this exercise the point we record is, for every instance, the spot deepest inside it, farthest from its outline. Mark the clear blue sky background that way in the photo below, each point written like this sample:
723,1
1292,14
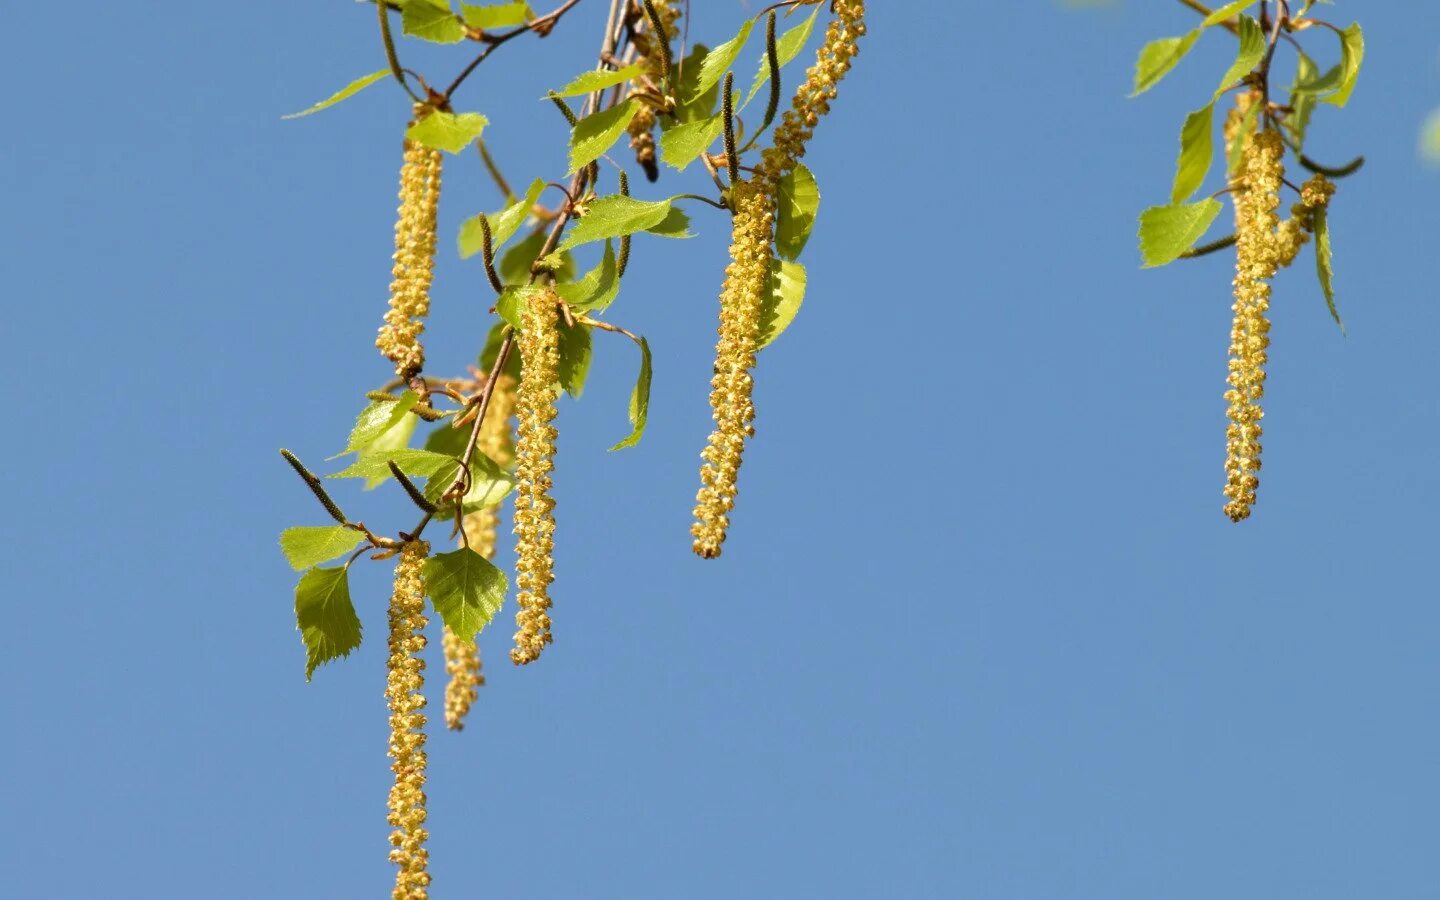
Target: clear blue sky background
981,629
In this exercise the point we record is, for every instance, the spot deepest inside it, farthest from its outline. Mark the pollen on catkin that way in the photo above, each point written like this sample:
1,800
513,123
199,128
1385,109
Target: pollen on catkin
404,681
652,62
414,260
747,279
534,460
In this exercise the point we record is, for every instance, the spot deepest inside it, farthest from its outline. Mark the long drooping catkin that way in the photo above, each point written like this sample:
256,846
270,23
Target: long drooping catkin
462,658
534,460
652,63
414,268
404,681
747,279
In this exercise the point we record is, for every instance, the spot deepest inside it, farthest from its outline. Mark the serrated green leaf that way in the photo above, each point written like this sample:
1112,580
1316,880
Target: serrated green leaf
466,589
1324,263
1247,57
787,47
597,133
376,464
450,132
344,93
495,15
717,61
396,437
1352,54
597,289
325,616
575,351
695,104
503,224
639,399
432,20
681,144
489,482
514,298
1302,103
310,545
516,262
676,224
1158,57
796,205
378,418
782,301
598,80
1197,149
1168,231
616,216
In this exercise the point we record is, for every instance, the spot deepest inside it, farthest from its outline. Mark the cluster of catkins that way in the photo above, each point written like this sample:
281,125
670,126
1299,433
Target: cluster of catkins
747,278
1263,245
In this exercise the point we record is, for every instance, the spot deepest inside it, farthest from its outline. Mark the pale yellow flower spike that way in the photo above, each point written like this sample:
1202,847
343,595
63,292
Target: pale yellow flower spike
652,61
462,658
534,459
405,679
414,268
747,278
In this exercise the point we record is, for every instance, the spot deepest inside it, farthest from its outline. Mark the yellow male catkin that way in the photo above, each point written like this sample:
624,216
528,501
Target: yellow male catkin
747,279
404,681
414,269
534,460
652,62
462,658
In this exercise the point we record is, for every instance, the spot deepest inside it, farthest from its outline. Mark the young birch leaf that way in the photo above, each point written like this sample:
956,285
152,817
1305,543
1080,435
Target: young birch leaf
639,400
598,132
1158,57
1228,11
796,205
1168,231
1252,50
373,464
515,264
681,144
325,616
514,299
432,20
503,224
1197,149
495,15
787,292
787,47
676,224
466,589
450,132
489,483
344,93
598,80
1352,54
717,61
694,103
310,545
616,216
1302,103
1324,264
376,419
575,353
598,288
396,438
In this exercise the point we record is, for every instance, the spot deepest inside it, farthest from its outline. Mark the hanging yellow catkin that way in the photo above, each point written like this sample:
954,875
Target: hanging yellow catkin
414,268
404,681
652,63
462,658
534,459
747,279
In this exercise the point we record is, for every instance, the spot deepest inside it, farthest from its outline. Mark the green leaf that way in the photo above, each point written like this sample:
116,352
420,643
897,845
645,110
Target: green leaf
376,419
466,589
1324,263
344,93
515,264
616,216
450,132
681,144
310,545
1158,57
1352,54
695,104
395,438
1302,103
574,358
495,15
676,224
1252,50
639,399
514,299
1236,151
717,61
1228,11
1197,149
1168,231
782,302
598,289
796,205
503,224
598,80
325,616
373,464
493,340
489,483
432,20
597,133
787,47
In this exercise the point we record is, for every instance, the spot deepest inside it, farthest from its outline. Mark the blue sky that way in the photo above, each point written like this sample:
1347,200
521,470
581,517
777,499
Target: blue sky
980,630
